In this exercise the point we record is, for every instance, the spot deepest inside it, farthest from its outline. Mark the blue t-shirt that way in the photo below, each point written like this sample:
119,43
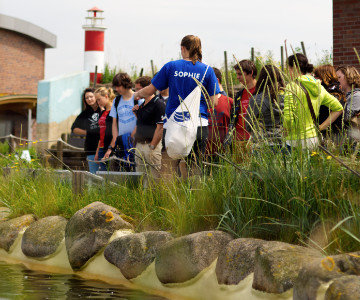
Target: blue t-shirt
126,118
177,76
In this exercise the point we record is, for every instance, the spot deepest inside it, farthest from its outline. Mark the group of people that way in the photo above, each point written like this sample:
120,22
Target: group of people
281,112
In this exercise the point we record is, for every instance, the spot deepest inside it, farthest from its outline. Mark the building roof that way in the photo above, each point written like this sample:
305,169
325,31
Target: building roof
29,29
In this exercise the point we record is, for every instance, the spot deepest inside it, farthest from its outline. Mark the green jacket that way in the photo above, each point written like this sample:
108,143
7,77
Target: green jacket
298,123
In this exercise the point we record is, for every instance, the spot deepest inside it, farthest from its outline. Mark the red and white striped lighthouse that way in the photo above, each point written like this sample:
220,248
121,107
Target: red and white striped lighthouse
94,43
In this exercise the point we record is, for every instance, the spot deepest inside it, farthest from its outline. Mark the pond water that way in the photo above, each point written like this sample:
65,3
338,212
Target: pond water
18,282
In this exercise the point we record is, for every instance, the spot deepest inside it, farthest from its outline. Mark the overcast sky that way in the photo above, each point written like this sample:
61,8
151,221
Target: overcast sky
141,30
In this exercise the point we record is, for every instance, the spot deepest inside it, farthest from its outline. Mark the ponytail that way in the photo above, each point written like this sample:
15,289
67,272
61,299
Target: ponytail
192,43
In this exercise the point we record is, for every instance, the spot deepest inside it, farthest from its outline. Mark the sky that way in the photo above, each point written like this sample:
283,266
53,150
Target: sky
143,30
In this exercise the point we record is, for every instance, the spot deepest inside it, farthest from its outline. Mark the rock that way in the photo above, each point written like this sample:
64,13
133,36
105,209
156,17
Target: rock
277,266
43,237
320,235
323,270
132,254
344,288
236,260
9,230
89,230
4,214
183,258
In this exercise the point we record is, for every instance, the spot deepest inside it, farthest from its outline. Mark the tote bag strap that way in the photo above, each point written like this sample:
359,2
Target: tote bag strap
204,75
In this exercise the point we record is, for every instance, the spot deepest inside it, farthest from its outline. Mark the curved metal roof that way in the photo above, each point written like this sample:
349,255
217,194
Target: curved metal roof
29,29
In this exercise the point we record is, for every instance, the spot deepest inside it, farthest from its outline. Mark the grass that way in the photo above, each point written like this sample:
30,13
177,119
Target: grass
274,198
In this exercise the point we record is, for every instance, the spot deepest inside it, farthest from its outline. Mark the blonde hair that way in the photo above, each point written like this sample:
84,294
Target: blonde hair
351,74
192,43
103,91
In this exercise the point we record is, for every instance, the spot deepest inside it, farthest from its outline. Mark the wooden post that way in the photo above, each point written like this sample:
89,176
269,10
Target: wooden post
141,72
95,77
226,73
152,67
78,182
252,54
303,48
59,154
11,144
63,137
29,126
282,57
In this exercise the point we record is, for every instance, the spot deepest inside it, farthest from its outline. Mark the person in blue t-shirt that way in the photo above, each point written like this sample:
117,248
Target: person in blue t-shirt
178,77
124,121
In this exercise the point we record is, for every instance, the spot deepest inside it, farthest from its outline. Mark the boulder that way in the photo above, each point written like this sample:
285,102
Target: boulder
236,260
277,265
89,230
133,253
344,288
43,237
183,258
9,230
4,214
323,270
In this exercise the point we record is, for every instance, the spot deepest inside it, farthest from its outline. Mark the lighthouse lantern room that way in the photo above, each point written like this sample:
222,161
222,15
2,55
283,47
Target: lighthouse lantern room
94,43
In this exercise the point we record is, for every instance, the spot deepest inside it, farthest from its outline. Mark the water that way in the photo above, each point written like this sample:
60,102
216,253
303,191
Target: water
17,282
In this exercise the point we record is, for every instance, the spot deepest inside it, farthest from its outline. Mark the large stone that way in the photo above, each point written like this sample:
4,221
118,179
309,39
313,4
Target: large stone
277,265
133,253
89,230
43,237
183,258
236,260
9,230
344,288
4,214
323,270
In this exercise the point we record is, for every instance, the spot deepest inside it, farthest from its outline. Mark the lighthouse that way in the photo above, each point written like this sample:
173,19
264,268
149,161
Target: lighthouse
94,43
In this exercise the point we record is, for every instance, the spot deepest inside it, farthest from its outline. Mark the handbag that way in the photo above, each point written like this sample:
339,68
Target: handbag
181,126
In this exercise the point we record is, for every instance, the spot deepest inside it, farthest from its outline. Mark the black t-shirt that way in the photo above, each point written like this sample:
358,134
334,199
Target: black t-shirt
148,116
88,120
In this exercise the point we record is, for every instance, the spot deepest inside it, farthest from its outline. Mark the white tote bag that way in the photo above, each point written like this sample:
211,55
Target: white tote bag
181,127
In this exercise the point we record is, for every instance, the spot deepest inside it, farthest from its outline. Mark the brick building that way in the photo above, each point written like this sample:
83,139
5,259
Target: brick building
346,32
22,58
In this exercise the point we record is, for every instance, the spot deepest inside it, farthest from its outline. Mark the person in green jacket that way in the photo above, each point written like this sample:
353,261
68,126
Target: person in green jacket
300,130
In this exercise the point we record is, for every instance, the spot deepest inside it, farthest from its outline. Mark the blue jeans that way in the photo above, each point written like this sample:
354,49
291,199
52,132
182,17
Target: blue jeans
102,166
93,166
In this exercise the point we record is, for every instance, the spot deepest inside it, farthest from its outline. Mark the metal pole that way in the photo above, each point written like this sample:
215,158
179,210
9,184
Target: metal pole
282,57
152,67
252,54
303,48
141,72
226,73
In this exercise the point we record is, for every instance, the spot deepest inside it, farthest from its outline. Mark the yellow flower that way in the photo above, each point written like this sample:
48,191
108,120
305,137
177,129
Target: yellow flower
40,140
328,157
314,153
21,144
305,177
